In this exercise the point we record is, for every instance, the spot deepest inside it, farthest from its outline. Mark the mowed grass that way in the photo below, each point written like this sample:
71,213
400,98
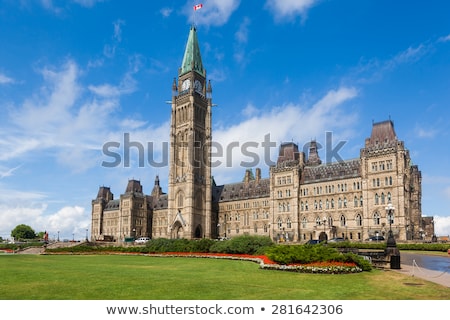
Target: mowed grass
128,277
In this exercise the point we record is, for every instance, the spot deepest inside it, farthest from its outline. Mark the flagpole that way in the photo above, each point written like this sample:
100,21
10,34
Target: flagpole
196,7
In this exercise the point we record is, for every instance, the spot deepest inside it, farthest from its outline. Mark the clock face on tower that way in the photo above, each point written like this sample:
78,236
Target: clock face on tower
198,86
186,84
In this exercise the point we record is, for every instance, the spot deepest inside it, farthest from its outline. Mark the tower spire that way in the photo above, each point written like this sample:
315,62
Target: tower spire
192,60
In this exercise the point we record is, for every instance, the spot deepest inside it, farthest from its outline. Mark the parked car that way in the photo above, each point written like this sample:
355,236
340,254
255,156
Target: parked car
376,238
313,242
336,240
142,240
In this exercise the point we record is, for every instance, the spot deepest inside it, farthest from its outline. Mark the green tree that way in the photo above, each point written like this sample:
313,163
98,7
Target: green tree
23,231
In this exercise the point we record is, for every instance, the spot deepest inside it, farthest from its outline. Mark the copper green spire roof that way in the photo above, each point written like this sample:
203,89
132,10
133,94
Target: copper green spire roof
192,60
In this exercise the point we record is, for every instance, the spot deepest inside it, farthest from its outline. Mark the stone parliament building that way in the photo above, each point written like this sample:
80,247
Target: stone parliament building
302,198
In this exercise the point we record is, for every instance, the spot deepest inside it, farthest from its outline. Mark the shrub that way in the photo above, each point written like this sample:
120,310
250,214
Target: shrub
305,254
243,245
202,245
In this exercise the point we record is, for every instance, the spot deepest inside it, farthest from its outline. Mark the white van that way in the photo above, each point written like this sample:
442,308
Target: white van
142,240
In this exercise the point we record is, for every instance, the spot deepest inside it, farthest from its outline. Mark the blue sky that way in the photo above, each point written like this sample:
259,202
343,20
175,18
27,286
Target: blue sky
77,74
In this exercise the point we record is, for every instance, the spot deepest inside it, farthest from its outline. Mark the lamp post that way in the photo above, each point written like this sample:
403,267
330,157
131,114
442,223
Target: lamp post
324,220
391,245
433,238
87,235
390,215
58,237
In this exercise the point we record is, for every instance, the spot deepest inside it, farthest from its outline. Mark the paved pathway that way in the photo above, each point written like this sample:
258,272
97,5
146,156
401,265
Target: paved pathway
411,267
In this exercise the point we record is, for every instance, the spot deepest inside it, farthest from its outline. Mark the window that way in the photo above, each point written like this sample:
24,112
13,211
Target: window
355,201
304,222
288,223
389,198
345,202
279,223
180,199
390,218
376,198
343,221
382,198
358,220
318,222
376,218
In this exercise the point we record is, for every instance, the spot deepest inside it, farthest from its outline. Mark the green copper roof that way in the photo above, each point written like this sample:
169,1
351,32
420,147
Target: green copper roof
192,60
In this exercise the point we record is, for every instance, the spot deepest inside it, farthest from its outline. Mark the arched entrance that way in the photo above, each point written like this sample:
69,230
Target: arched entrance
198,232
323,236
177,231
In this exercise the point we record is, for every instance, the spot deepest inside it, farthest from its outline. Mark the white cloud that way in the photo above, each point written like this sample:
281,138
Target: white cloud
241,37
65,118
426,133
410,55
70,221
118,29
374,69
282,124
289,9
442,225
11,216
105,90
213,13
109,49
7,172
166,12
5,79
444,39
87,3
446,191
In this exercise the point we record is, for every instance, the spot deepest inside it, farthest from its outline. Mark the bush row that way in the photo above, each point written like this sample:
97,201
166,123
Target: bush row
243,244
306,254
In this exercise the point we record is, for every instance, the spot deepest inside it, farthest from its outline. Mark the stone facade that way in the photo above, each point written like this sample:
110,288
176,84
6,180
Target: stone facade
302,198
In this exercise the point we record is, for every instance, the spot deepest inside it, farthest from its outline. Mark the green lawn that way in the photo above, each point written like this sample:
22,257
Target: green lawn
123,277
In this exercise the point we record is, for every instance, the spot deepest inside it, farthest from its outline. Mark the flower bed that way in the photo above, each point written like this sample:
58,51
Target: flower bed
331,267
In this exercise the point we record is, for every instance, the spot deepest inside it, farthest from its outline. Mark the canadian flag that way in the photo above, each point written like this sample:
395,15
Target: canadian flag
198,6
